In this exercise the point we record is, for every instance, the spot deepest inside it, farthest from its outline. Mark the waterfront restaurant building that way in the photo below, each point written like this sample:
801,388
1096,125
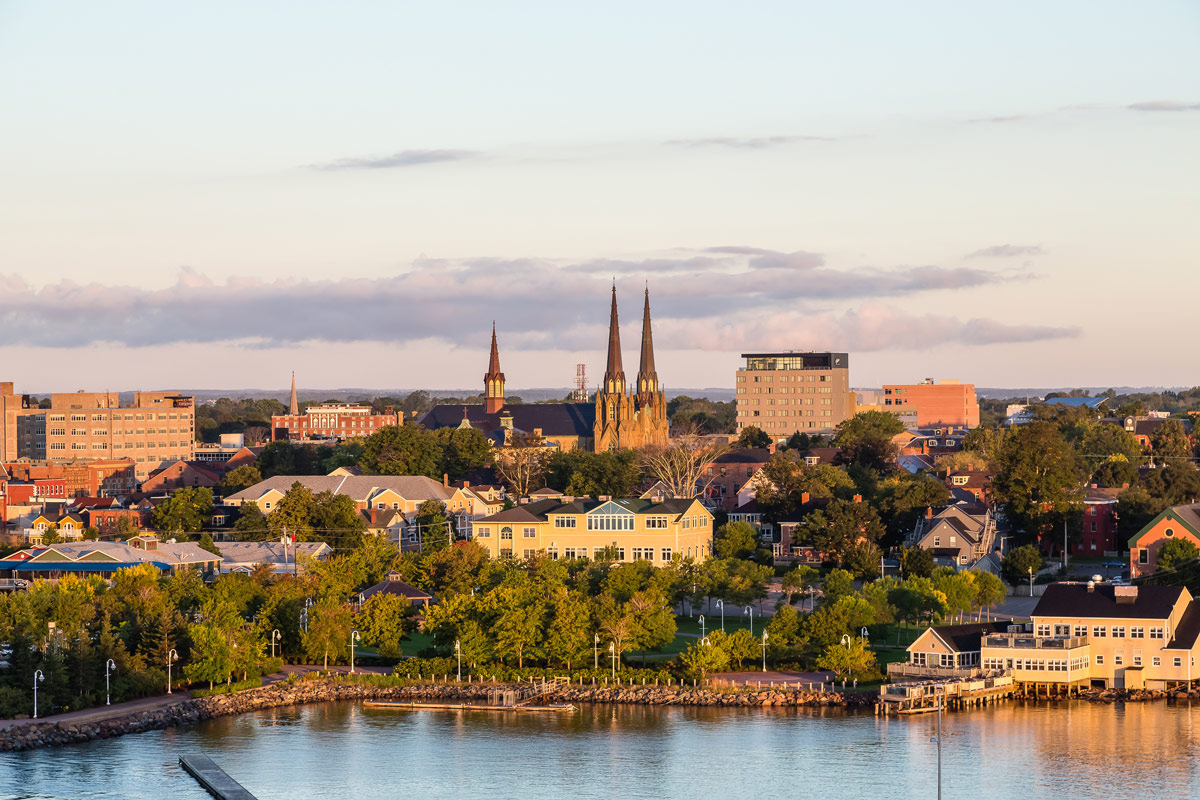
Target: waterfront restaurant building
632,529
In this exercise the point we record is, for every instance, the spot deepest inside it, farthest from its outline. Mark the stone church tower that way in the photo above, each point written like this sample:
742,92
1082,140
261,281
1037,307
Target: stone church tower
624,418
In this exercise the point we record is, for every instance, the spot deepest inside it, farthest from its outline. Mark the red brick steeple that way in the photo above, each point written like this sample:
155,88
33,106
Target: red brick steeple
493,381
293,406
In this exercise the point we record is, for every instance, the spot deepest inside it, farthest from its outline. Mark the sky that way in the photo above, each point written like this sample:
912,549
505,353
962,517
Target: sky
212,195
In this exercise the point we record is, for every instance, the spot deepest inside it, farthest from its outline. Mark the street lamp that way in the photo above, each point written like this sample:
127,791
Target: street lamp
764,651
596,652
721,605
612,650
811,602
172,657
701,626
750,611
109,666
458,652
938,740
304,620
1031,581
38,677
354,637
275,637
692,599
846,640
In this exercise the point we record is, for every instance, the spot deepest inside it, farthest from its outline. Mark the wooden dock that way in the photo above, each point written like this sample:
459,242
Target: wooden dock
395,704
923,697
213,778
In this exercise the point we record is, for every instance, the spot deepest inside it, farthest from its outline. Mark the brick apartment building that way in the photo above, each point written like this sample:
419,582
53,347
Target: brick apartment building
793,392
153,430
937,404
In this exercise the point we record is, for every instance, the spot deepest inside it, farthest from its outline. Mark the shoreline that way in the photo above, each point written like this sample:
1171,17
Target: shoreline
35,735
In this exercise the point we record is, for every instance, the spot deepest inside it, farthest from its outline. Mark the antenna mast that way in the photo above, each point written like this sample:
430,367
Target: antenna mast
580,395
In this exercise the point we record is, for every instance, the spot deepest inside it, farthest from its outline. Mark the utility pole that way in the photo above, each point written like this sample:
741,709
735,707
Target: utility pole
1064,542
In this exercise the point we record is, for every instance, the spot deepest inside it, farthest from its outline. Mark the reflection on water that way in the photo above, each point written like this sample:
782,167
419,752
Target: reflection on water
347,752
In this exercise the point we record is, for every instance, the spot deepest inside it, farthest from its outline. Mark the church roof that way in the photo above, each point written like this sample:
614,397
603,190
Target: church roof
554,419
614,371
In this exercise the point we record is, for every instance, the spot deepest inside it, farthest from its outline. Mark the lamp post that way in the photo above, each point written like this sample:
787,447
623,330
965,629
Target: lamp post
811,602
596,652
750,611
38,677
692,599
701,626
172,656
354,637
304,620
458,652
846,640
110,666
1031,581
938,740
721,605
764,651
612,651
275,637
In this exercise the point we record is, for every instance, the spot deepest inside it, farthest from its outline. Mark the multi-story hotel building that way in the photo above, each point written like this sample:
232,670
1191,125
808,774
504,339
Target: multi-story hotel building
152,431
1082,636
791,392
654,530
933,404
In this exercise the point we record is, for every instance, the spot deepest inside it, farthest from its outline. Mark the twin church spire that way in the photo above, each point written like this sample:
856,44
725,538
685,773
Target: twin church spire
614,373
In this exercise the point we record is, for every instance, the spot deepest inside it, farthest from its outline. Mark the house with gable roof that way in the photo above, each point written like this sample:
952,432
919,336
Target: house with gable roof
1176,522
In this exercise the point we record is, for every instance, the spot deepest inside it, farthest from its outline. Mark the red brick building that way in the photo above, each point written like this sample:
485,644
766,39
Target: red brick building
940,404
332,421
729,473
1099,523
179,475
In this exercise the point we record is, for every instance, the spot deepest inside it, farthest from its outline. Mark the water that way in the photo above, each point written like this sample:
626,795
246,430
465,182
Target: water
346,752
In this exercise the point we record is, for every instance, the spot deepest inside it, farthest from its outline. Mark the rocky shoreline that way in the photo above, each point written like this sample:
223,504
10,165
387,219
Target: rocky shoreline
51,734
293,693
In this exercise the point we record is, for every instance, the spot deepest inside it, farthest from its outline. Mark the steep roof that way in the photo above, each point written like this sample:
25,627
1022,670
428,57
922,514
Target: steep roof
647,377
1074,600
1188,629
398,588
966,638
614,371
744,455
554,419
540,510
1187,515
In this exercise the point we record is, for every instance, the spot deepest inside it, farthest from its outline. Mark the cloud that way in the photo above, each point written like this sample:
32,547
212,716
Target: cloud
747,143
748,294
1008,118
403,158
1163,105
1008,251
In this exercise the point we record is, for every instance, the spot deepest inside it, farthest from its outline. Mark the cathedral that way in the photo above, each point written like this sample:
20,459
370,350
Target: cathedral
620,417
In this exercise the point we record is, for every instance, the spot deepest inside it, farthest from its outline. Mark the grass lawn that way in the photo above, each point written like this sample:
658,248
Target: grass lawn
686,624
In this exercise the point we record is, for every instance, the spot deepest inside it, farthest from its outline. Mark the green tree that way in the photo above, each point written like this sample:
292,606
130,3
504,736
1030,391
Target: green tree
1039,474
857,659
434,526
784,480
211,654
240,478
917,561
783,632
463,451
251,524
1169,443
866,439
838,583
293,513
1015,566
989,590
653,622
702,657
569,638
328,635
742,646
797,580
753,436
518,628
863,559
1176,552
736,540
336,521
402,450
187,510
205,542
834,529
383,622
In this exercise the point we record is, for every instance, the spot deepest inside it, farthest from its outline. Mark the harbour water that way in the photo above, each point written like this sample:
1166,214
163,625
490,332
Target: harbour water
343,751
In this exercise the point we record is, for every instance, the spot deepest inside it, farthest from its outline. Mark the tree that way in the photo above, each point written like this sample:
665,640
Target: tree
1015,566
1039,474
522,463
836,528
569,638
681,466
736,540
866,439
240,478
863,559
797,580
336,521
783,632
844,661
211,654
742,646
989,590
294,512
328,633
1169,443
463,450
518,629
837,584
383,622
958,587
90,534
1175,553
753,436
435,529
904,498
653,621
187,510
206,543
579,473
251,524
917,561
702,657
783,481
402,450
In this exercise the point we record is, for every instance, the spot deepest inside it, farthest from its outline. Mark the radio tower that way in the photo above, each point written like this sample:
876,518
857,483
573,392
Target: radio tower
580,395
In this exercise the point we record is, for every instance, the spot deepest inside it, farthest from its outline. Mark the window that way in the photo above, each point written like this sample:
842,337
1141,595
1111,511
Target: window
1137,632
564,522
1118,658
1099,631
1080,630
483,533
1156,661
506,532
610,522
1156,633
1143,556
1177,661
1099,658
553,553
1169,532
1137,658
529,533
1043,629
528,553
937,541
656,522
666,555
1118,632
1062,630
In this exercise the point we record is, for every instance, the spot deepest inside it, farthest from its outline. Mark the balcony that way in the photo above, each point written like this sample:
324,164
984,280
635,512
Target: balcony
1025,641
905,669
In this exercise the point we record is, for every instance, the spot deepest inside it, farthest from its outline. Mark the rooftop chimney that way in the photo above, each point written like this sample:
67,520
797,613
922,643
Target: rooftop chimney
804,498
857,498
1125,595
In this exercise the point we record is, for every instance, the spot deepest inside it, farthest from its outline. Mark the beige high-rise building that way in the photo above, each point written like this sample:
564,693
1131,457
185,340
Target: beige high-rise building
154,430
794,392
